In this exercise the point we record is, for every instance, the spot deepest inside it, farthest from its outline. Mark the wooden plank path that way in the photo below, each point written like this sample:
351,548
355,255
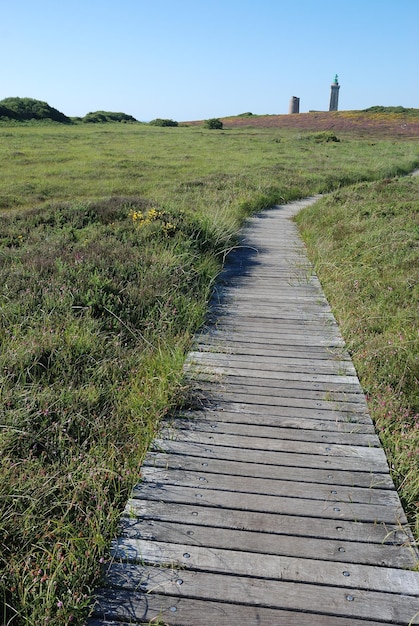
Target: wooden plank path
268,501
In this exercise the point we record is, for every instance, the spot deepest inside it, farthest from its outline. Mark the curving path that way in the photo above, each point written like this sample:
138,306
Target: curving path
269,501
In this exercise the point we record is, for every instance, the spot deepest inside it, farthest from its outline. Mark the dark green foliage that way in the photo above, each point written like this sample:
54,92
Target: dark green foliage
162,122
8,113
100,117
247,114
30,109
213,124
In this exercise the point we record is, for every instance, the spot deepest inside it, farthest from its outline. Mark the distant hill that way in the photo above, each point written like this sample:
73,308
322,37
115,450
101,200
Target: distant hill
386,121
31,109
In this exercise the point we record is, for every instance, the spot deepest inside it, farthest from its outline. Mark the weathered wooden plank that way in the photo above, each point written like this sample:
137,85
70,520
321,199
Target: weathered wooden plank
294,311
367,480
282,391
266,317
314,353
370,454
290,525
333,391
275,336
274,363
229,419
275,432
258,312
283,505
285,401
267,543
147,608
247,369
269,295
346,601
286,410
283,327
346,389
275,355
276,333
204,451
274,349
265,486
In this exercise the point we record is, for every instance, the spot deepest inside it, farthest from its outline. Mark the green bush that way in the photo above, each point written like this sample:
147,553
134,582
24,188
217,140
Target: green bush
100,117
30,109
162,122
213,124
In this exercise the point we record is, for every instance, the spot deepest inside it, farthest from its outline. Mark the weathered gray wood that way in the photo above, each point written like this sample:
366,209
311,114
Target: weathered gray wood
268,500
267,543
231,419
248,369
209,344
326,448
308,400
328,509
286,410
286,401
274,363
319,435
267,566
177,611
277,487
345,601
320,461
233,468
336,392
289,525
309,391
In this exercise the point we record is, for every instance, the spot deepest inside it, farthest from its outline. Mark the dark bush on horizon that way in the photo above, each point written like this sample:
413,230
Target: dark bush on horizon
162,122
213,124
101,117
31,109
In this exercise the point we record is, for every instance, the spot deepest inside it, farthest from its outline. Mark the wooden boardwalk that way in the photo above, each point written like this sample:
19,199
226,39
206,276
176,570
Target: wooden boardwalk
269,501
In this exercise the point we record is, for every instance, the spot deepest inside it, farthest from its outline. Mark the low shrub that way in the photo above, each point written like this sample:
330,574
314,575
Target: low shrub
213,124
163,122
107,116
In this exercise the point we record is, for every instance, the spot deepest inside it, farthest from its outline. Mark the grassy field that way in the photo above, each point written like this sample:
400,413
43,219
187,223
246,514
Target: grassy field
111,237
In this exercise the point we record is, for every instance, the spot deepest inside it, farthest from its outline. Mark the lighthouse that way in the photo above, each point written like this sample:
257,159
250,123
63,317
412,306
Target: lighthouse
334,94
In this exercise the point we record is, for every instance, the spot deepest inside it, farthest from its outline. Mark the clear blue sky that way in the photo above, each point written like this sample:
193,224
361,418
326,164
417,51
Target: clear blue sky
193,59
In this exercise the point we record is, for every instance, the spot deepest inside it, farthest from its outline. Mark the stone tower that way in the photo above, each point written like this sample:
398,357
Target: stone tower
334,95
294,105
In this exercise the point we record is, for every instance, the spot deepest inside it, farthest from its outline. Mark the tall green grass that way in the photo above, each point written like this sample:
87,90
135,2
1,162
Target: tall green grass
364,242
110,240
